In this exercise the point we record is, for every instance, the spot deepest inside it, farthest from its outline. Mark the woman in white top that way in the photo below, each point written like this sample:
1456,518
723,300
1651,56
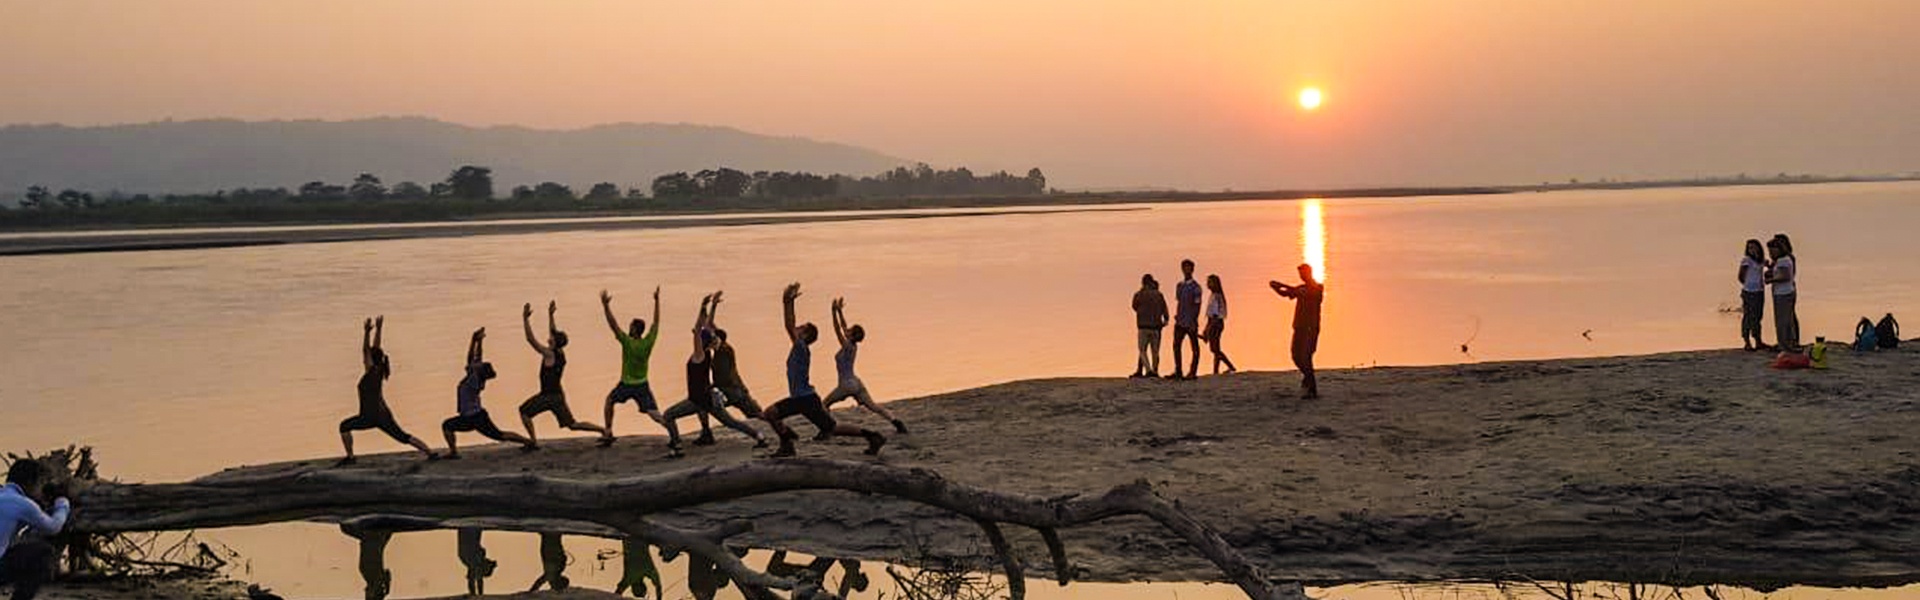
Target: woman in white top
1786,323
850,385
1217,323
1753,295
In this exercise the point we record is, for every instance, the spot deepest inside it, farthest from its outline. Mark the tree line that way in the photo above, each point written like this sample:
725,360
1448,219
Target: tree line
476,183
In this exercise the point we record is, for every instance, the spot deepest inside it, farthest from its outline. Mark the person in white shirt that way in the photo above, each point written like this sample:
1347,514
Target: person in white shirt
1217,323
1786,323
27,563
1753,295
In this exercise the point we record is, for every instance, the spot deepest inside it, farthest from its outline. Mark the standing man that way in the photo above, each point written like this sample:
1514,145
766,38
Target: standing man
1186,321
1150,315
802,399
28,563
636,350
1307,298
553,364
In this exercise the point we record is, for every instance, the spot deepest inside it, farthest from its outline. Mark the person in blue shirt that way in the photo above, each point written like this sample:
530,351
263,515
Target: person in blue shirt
27,563
802,400
1186,322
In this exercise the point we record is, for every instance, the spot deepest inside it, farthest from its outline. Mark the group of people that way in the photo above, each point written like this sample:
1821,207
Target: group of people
1775,268
1151,317
713,384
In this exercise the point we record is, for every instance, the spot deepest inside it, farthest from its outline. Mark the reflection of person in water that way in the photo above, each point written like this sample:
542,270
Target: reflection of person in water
553,564
474,556
637,569
704,579
852,578
373,560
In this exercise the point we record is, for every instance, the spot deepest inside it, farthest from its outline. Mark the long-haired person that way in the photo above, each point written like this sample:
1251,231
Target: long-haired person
1786,292
1217,323
374,412
1753,295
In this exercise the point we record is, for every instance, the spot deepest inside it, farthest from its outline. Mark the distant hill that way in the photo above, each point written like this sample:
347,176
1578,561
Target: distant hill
200,156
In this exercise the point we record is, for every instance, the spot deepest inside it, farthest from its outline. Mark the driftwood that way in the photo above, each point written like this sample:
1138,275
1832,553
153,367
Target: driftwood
621,504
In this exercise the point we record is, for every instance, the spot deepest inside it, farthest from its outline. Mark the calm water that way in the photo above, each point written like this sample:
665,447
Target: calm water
174,364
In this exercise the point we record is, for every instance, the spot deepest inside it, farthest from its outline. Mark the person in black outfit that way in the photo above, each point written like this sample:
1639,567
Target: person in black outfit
374,413
701,400
1307,298
553,363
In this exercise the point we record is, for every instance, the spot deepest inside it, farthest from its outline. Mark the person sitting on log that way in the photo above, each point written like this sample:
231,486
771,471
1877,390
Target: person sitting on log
374,413
701,400
850,385
553,363
28,563
473,415
802,399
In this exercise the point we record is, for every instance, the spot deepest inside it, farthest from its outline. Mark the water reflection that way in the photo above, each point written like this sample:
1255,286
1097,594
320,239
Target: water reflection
1313,236
474,557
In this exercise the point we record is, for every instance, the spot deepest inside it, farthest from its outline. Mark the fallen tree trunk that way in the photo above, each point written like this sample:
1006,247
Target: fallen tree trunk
619,503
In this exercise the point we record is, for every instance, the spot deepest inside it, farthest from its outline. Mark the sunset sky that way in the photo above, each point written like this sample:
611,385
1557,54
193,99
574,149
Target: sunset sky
1098,93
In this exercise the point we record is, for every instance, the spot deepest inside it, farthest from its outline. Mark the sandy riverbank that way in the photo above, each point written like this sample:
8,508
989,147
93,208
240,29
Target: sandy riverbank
1687,467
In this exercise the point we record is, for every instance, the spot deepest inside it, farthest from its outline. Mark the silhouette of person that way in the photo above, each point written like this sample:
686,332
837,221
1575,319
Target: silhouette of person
472,414
1753,295
802,400
637,569
553,364
850,385
553,564
1217,323
474,557
374,413
1783,275
1150,316
1307,298
701,400
1186,322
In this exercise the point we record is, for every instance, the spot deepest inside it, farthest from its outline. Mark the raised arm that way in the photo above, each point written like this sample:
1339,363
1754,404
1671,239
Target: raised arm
713,312
366,345
786,300
526,322
552,328
606,306
653,330
840,320
476,347
700,324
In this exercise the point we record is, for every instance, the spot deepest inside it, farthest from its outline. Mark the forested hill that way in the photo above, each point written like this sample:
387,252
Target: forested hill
201,156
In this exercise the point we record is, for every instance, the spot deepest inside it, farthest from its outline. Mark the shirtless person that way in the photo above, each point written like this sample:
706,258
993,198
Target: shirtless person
374,413
553,364
802,400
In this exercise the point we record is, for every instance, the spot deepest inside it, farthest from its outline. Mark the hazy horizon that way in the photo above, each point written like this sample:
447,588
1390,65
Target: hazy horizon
1099,95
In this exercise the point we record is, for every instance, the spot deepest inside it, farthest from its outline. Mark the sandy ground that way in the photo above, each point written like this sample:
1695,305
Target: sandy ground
1691,467
226,589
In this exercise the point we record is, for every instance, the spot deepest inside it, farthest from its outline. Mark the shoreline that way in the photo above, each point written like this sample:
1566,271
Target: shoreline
1685,468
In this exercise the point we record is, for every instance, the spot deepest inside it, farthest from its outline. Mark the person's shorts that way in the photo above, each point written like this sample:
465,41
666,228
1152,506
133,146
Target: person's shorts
805,405
478,422
381,421
1215,327
552,402
638,392
739,398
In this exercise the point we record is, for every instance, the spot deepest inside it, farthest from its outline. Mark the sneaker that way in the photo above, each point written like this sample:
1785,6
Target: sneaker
345,461
759,443
703,440
529,447
874,442
899,426
605,441
786,451
824,435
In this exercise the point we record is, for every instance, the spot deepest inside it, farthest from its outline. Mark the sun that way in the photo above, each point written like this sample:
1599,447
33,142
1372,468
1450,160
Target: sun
1310,98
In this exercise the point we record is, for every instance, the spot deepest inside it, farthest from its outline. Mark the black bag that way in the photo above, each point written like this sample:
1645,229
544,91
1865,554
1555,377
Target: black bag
1888,331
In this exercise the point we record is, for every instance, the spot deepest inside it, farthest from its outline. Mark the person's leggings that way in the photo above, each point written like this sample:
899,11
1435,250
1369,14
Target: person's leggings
1786,323
1191,336
28,565
712,407
1753,308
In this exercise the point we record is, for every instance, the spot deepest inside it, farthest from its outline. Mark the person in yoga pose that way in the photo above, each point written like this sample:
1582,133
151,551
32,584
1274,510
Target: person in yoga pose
701,399
553,364
802,399
850,385
472,414
636,350
374,413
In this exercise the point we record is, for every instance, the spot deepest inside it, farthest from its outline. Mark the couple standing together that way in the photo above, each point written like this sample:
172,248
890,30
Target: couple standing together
1150,316
1775,266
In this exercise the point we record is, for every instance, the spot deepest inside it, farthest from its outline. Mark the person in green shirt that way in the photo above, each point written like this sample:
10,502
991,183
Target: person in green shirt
636,348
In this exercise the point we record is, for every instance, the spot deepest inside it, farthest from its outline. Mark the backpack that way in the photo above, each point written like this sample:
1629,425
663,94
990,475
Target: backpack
1888,332
1865,336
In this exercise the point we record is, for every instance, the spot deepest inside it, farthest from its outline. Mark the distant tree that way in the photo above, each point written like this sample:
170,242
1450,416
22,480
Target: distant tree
603,191
1036,181
723,182
636,194
675,185
440,190
321,190
521,192
548,190
75,199
37,197
407,190
258,195
367,187
471,183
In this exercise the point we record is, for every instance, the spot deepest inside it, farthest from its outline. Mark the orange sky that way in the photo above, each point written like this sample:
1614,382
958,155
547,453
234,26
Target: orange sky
1099,93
